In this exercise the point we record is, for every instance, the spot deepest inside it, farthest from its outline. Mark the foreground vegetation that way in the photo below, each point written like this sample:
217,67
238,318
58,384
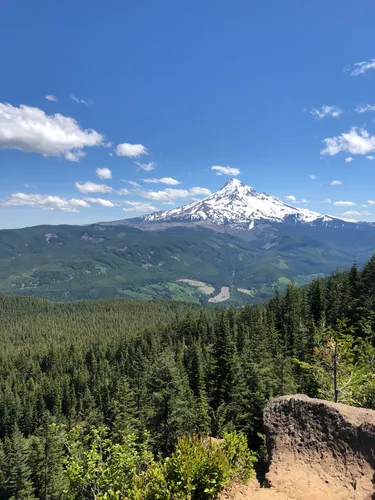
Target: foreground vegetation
95,397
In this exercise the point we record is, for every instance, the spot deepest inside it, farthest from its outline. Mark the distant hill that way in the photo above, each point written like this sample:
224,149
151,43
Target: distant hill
234,246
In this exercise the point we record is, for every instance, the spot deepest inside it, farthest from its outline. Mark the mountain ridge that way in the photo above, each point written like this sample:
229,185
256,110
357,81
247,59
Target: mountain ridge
235,207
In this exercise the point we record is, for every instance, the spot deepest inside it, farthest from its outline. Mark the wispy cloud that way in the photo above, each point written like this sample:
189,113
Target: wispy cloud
51,97
123,192
147,167
327,200
313,177
138,206
199,191
362,67
169,195
370,157
326,111
132,183
357,141
131,150
103,173
101,201
80,101
354,213
162,180
336,183
33,131
92,187
75,156
45,202
345,204
290,197
349,159
225,170
371,202
364,108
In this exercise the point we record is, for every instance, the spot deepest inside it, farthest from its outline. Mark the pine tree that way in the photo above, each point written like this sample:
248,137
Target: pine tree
18,484
47,456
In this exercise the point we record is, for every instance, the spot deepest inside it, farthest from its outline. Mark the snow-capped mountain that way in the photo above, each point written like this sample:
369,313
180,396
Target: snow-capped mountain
238,205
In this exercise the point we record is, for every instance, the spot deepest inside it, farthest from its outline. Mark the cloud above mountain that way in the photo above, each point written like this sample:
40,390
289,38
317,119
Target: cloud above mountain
226,170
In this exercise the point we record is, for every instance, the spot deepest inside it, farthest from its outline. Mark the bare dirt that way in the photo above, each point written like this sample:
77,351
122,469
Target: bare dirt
318,451
244,290
222,296
203,287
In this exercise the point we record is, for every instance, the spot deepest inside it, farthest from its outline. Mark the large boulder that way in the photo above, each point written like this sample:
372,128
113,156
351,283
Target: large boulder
319,449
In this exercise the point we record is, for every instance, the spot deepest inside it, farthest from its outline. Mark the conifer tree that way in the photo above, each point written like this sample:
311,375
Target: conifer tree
18,484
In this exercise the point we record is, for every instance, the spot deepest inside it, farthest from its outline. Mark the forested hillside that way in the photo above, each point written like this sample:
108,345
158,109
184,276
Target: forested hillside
76,378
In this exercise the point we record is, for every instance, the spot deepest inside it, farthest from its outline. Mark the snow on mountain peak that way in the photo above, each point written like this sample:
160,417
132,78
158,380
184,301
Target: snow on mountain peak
238,204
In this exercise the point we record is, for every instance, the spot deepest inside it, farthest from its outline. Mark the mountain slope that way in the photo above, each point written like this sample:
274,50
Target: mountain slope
237,204
235,245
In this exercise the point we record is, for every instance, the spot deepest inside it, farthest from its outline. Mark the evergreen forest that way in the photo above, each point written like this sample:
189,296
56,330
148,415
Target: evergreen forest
132,399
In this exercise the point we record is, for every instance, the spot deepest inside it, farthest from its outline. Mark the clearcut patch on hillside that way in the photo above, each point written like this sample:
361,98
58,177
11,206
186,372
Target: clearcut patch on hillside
203,287
222,296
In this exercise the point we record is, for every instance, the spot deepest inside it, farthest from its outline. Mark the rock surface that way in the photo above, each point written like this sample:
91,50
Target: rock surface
319,450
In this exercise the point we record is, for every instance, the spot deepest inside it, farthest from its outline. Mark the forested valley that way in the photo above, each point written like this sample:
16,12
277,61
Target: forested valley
94,396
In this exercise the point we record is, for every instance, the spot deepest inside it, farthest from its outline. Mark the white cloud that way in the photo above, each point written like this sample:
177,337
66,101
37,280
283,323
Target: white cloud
33,131
365,107
103,173
345,204
225,170
171,194
371,202
147,167
168,194
163,180
336,183
370,157
45,202
92,187
51,97
131,150
313,177
123,192
357,141
349,159
290,197
75,155
327,200
362,67
81,101
138,206
196,191
102,202
326,111
304,201
364,206
351,213
354,213
132,183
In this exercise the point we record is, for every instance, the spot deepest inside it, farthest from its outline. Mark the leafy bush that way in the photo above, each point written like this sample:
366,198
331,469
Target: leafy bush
198,469
240,458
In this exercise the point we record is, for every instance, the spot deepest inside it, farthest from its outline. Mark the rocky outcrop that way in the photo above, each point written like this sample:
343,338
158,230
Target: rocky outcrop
320,450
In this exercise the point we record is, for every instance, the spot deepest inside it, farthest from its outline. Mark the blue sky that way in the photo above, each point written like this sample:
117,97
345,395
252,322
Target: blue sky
165,90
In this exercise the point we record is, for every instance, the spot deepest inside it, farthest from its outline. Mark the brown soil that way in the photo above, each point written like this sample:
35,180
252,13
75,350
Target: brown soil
318,451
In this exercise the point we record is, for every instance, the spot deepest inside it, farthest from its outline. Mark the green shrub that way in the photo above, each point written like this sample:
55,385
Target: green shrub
241,459
199,469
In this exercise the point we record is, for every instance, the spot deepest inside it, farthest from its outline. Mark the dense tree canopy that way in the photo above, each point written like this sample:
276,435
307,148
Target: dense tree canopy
102,370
